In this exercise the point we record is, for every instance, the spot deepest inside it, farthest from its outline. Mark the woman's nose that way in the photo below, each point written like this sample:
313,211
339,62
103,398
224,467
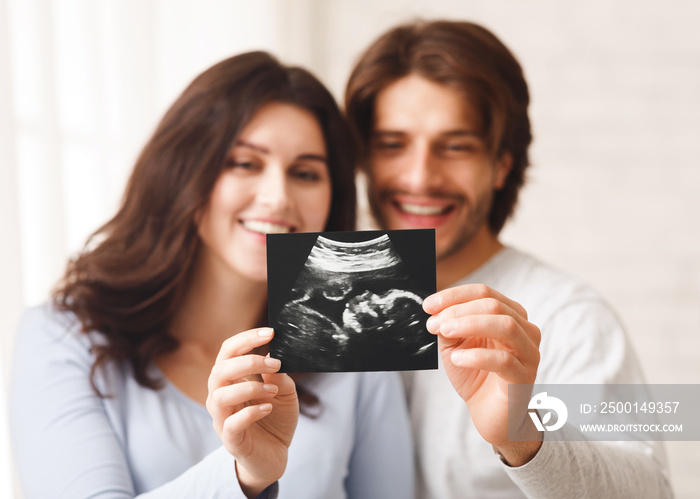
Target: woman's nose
273,189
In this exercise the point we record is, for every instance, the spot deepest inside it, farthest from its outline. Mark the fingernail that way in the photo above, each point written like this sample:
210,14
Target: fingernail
265,407
432,302
265,332
433,324
270,388
272,363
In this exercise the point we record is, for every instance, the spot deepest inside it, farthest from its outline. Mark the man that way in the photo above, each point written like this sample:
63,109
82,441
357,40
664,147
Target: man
441,111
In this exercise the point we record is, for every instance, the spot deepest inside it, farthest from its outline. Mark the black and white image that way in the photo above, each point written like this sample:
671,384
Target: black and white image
351,301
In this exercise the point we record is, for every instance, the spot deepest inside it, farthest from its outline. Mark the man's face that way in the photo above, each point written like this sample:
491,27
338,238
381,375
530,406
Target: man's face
429,164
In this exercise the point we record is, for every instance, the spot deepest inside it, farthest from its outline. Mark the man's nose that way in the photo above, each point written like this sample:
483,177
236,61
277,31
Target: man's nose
420,169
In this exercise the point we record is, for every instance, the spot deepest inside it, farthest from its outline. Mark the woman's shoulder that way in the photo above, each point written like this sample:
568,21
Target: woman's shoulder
46,319
43,329
47,315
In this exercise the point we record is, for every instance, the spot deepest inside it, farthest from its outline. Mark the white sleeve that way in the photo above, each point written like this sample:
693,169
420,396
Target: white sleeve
586,343
571,469
64,444
381,464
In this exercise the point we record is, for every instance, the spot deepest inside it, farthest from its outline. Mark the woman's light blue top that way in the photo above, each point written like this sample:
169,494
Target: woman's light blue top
70,443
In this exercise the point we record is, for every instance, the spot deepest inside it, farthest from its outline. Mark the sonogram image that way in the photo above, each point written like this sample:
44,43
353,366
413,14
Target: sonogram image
353,305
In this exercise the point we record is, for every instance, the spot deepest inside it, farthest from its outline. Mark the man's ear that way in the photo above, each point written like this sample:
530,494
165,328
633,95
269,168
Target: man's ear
503,166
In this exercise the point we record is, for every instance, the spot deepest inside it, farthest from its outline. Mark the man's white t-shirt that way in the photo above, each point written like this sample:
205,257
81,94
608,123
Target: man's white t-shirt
583,341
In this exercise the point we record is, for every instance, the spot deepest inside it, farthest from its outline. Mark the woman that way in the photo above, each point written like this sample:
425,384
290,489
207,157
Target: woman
117,380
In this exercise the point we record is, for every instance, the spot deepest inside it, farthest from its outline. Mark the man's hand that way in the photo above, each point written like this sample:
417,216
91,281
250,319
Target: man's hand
487,343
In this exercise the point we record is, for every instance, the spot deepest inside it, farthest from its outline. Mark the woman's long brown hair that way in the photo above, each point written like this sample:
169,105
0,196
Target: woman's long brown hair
132,274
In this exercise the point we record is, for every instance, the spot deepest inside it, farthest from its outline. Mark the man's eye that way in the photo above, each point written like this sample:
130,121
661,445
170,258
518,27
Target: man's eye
388,145
458,147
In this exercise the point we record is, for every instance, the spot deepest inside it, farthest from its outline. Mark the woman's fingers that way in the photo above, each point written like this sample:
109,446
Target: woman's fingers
221,403
283,381
244,342
234,426
240,393
227,371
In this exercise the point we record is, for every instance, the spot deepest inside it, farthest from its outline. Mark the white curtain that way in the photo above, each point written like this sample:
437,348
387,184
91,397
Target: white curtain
82,85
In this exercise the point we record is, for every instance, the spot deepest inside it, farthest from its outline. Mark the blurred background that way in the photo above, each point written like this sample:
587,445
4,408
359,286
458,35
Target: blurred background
612,194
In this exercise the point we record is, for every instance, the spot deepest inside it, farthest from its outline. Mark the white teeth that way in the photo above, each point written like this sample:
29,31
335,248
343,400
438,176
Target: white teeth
265,227
419,209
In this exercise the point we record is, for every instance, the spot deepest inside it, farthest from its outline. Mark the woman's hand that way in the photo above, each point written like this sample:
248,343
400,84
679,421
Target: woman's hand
255,409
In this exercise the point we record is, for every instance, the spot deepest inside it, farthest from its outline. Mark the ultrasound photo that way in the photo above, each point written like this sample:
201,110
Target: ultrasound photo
351,301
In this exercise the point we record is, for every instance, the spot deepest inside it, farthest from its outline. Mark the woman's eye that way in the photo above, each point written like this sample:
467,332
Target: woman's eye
307,175
241,164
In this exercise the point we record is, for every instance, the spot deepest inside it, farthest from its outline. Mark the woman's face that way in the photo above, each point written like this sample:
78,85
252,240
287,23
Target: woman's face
275,180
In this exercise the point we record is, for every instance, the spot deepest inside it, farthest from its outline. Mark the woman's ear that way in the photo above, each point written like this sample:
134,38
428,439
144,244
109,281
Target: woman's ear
197,216
503,166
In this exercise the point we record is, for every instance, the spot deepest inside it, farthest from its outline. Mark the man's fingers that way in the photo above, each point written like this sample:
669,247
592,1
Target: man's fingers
504,330
436,303
498,361
456,320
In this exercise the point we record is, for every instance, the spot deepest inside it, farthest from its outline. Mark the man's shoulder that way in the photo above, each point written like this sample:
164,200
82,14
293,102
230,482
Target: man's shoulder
540,287
514,269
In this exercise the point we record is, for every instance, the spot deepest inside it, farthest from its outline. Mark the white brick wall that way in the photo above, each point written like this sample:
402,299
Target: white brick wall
616,159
